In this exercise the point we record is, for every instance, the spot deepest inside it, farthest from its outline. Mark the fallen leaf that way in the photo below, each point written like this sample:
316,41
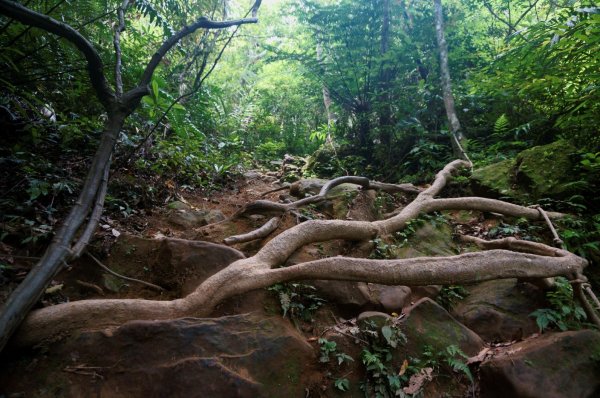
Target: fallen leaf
53,289
418,380
403,368
479,357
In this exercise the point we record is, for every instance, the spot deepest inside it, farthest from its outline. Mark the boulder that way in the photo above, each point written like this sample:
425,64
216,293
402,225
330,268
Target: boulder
558,365
177,264
379,319
430,324
191,218
540,172
191,262
236,356
394,298
430,239
499,310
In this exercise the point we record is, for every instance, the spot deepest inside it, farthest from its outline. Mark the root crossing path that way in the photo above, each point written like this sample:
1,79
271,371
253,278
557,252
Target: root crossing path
504,258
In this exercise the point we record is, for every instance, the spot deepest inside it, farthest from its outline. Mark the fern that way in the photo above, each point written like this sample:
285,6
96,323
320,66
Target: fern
454,357
501,126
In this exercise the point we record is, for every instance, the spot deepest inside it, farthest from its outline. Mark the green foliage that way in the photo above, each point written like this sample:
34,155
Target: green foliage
298,300
565,313
382,380
581,235
269,151
450,295
501,125
342,384
454,357
382,249
329,348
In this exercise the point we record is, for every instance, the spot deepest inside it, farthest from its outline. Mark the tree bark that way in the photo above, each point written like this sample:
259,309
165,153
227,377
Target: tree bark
455,128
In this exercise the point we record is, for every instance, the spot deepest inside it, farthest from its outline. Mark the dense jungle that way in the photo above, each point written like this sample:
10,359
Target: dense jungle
299,198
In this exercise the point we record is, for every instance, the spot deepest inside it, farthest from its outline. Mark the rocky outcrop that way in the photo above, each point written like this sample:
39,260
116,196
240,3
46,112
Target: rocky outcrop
538,172
430,324
558,365
237,356
499,310
182,215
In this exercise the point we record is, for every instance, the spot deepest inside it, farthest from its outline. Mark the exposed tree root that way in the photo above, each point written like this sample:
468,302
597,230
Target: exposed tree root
506,258
261,232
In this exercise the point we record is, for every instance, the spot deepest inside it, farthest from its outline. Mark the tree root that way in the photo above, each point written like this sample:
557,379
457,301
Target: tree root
424,203
504,258
261,232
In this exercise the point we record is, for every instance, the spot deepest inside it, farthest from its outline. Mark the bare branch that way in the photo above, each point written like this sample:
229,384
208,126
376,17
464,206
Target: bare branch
201,23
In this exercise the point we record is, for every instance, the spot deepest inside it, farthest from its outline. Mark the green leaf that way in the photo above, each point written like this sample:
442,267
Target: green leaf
155,91
342,384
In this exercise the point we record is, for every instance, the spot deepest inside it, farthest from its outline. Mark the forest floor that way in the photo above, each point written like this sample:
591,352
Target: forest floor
129,246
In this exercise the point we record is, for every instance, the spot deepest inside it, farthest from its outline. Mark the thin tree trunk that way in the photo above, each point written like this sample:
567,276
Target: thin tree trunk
455,128
326,99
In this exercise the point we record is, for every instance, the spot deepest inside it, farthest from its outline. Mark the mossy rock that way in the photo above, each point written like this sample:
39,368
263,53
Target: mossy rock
429,324
428,240
540,172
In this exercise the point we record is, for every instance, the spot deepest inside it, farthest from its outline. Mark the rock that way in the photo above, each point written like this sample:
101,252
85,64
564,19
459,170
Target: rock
350,296
188,219
394,298
176,264
538,172
191,262
378,318
499,310
362,207
252,175
429,240
560,365
430,324
237,356
431,291
178,205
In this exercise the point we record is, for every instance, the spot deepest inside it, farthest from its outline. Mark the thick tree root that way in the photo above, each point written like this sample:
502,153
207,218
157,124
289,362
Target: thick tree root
507,258
424,203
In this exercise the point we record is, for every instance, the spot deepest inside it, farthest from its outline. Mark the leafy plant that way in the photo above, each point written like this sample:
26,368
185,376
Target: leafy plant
329,348
297,299
565,313
382,380
450,295
454,357
342,384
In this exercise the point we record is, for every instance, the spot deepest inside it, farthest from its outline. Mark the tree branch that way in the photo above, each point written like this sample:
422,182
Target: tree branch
95,66
201,23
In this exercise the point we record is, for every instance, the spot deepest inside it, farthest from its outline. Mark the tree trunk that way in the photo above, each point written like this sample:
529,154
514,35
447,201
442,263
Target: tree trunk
455,129
24,297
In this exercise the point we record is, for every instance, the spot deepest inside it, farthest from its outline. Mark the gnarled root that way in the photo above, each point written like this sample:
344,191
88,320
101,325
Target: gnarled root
505,258
536,261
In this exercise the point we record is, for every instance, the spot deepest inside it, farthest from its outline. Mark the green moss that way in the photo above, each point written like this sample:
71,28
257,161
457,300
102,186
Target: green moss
546,170
496,177
538,172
